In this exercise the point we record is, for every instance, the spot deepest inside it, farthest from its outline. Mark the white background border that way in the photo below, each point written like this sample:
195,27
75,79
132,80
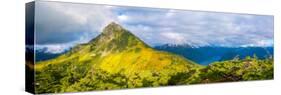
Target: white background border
12,20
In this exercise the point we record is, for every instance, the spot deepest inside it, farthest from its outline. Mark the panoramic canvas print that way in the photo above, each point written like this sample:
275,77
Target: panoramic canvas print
72,47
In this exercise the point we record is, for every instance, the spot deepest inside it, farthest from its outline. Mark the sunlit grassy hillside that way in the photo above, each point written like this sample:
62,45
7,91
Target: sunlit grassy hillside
115,51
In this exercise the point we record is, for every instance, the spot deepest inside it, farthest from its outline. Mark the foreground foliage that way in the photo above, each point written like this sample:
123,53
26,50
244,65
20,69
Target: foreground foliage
237,70
69,77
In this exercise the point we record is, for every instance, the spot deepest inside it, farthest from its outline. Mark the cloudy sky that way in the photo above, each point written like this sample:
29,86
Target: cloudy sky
63,25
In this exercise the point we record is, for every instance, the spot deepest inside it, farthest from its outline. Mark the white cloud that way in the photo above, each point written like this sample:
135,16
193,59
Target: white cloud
122,18
170,13
173,37
265,43
53,48
68,22
200,28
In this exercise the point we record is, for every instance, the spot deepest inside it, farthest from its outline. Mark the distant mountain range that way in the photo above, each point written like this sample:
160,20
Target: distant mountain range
42,54
203,55
207,54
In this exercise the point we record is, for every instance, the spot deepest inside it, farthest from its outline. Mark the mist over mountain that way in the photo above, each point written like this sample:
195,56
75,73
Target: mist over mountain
46,53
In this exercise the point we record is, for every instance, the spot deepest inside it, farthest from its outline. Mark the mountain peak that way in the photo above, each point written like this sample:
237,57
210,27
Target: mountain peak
109,32
113,24
113,27
116,38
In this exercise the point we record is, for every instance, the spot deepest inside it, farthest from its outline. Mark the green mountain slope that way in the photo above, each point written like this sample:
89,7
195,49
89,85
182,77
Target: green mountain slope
114,59
117,59
250,68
